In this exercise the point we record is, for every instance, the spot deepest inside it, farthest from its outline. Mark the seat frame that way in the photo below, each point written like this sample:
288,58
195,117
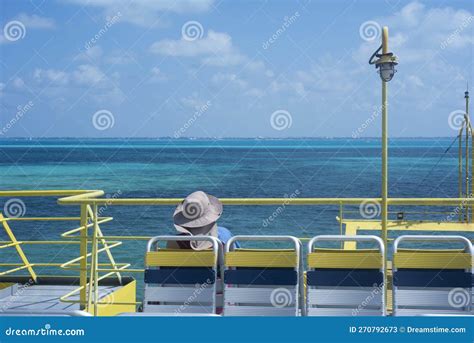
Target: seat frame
299,287
343,238
217,249
468,247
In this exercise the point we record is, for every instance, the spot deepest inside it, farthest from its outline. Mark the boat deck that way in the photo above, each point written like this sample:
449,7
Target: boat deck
42,298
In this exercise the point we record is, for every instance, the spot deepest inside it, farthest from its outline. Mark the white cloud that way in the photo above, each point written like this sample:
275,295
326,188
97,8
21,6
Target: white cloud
120,58
18,83
157,75
223,79
146,12
215,49
255,92
194,101
213,43
36,22
415,81
53,76
96,55
418,32
87,74
296,87
92,81
411,14
92,54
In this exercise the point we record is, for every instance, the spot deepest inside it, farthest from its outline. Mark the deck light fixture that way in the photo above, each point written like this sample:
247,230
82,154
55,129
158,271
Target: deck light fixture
386,63
387,69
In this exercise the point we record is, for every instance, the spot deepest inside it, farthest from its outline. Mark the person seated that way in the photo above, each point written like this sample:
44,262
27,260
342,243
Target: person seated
197,214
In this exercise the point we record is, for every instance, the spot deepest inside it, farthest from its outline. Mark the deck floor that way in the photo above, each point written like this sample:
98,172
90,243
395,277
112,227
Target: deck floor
42,298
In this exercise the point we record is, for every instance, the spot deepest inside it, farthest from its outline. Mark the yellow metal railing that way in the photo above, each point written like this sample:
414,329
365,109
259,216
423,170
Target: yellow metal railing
88,272
89,237
14,243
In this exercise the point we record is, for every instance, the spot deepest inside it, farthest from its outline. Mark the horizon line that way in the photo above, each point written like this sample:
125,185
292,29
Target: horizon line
220,138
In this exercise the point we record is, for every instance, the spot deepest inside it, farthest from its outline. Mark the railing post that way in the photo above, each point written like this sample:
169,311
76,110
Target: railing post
106,246
83,253
93,282
95,259
341,212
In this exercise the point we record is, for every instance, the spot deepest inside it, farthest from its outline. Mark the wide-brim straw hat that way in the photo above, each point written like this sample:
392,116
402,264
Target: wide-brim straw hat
197,215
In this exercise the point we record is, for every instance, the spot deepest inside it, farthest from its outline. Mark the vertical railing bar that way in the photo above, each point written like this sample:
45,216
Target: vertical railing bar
18,248
92,269
95,256
83,253
341,211
108,252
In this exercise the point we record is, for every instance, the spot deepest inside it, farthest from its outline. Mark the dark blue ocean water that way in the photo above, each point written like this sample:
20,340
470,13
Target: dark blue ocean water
224,168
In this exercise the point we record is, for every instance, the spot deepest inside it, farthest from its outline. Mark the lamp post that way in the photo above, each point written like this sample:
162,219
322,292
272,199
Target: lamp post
385,63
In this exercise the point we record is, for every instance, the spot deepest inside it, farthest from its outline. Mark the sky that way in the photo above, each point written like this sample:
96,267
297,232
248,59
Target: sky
209,68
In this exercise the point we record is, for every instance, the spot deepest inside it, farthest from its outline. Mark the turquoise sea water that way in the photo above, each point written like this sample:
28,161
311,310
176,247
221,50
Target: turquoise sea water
225,168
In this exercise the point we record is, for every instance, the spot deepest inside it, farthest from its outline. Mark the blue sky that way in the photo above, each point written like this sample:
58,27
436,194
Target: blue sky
121,68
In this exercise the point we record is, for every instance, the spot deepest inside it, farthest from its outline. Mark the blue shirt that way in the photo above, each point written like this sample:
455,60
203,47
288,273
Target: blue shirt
224,235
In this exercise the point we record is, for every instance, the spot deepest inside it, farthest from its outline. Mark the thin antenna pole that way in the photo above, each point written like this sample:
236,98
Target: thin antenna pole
460,170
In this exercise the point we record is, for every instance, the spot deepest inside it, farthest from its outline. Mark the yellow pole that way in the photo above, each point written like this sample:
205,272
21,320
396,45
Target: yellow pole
385,160
107,249
95,256
341,213
92,300
83,253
